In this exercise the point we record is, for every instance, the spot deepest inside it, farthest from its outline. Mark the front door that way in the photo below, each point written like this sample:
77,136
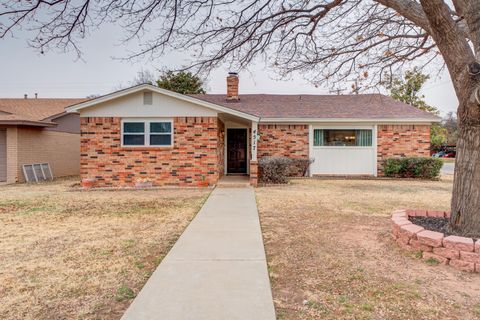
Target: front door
237,151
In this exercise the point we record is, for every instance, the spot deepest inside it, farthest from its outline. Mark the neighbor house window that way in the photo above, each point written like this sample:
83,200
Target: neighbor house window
149,133
342,138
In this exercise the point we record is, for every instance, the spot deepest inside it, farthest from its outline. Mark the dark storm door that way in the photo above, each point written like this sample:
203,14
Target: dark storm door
236,150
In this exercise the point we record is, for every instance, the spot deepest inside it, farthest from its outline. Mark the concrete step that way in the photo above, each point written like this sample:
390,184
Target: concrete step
233,185
233,182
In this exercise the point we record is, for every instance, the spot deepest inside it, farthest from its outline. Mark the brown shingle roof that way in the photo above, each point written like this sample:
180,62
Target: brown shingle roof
32,110
362,106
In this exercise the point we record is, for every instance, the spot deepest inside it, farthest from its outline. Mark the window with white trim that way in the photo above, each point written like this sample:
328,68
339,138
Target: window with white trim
147,133
342,137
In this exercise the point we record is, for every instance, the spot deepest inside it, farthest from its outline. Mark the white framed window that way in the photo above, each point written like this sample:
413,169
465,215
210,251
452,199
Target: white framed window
342,138
147,132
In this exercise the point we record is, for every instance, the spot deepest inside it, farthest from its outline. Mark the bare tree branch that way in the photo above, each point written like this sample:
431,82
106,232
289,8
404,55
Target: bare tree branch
328,40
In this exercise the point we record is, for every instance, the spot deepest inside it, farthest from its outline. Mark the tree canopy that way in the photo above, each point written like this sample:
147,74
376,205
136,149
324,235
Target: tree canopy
408,89
181,82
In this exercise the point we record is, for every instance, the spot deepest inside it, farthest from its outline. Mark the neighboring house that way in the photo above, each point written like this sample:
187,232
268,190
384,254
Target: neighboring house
148,133
38,131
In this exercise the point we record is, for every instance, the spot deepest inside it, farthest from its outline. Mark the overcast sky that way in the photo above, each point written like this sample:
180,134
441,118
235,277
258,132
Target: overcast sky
54,74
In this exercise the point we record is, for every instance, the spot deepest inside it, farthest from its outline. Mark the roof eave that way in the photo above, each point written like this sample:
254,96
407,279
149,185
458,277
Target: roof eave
57,115
124,92
27,123
354,120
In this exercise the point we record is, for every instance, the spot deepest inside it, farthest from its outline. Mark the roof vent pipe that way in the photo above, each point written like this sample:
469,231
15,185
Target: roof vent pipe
25,96
36,95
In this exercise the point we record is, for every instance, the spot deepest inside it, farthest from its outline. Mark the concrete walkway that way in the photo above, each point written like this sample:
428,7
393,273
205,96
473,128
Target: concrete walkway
448,168
216,270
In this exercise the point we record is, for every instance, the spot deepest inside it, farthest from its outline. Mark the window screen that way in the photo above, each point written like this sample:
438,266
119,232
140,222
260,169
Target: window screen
134,127
147,133
162,127
160,140
342,137
133,133
160,133
133,140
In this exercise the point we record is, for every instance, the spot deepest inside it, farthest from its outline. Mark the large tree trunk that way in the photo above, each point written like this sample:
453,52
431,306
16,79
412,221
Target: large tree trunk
465,218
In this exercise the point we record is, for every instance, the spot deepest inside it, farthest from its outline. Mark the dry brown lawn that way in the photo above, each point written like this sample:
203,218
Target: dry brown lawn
330,255
84,255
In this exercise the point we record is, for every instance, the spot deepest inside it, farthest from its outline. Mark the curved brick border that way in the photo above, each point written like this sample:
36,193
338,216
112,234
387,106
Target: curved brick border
459,252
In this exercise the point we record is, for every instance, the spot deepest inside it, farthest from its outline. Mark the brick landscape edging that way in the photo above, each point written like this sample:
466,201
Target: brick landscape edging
459,252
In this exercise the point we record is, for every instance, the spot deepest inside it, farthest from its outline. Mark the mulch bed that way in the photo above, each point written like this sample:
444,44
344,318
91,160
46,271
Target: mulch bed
434,224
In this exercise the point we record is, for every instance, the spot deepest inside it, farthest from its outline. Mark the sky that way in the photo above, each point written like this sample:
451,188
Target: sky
62,75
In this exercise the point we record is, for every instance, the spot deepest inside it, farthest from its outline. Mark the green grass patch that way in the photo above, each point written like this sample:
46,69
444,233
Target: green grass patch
128,244
432,262
476,309
124,293
418,254
367,307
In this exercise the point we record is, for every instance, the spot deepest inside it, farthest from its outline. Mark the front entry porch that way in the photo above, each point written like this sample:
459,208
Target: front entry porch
240,151
237,151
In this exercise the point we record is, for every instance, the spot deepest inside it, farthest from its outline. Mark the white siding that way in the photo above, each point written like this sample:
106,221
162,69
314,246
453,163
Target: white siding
344,160
132,105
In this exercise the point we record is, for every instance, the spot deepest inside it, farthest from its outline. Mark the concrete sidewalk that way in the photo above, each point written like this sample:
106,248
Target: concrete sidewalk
448,168
216,270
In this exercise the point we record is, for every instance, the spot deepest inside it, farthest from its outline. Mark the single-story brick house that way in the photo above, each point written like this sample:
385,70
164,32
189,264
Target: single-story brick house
38,131
147,133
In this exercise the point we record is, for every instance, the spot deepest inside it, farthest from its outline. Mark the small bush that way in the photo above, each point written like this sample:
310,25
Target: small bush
274,169
412,167
299,167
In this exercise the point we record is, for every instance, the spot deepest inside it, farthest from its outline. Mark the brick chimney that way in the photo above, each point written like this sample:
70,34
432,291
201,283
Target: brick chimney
232,86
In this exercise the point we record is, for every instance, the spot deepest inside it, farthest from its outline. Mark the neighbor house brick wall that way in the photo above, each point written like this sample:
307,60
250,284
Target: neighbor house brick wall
281,140
193,158
27,145
60,149
12,155
395,141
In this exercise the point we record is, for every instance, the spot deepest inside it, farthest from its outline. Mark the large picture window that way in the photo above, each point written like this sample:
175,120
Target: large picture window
342,137
147,133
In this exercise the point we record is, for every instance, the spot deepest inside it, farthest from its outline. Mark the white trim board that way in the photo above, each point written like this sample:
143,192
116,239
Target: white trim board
347,121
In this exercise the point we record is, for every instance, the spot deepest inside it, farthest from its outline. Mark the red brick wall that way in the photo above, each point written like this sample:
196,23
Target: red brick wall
221,148
281,140
402,141
193,156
